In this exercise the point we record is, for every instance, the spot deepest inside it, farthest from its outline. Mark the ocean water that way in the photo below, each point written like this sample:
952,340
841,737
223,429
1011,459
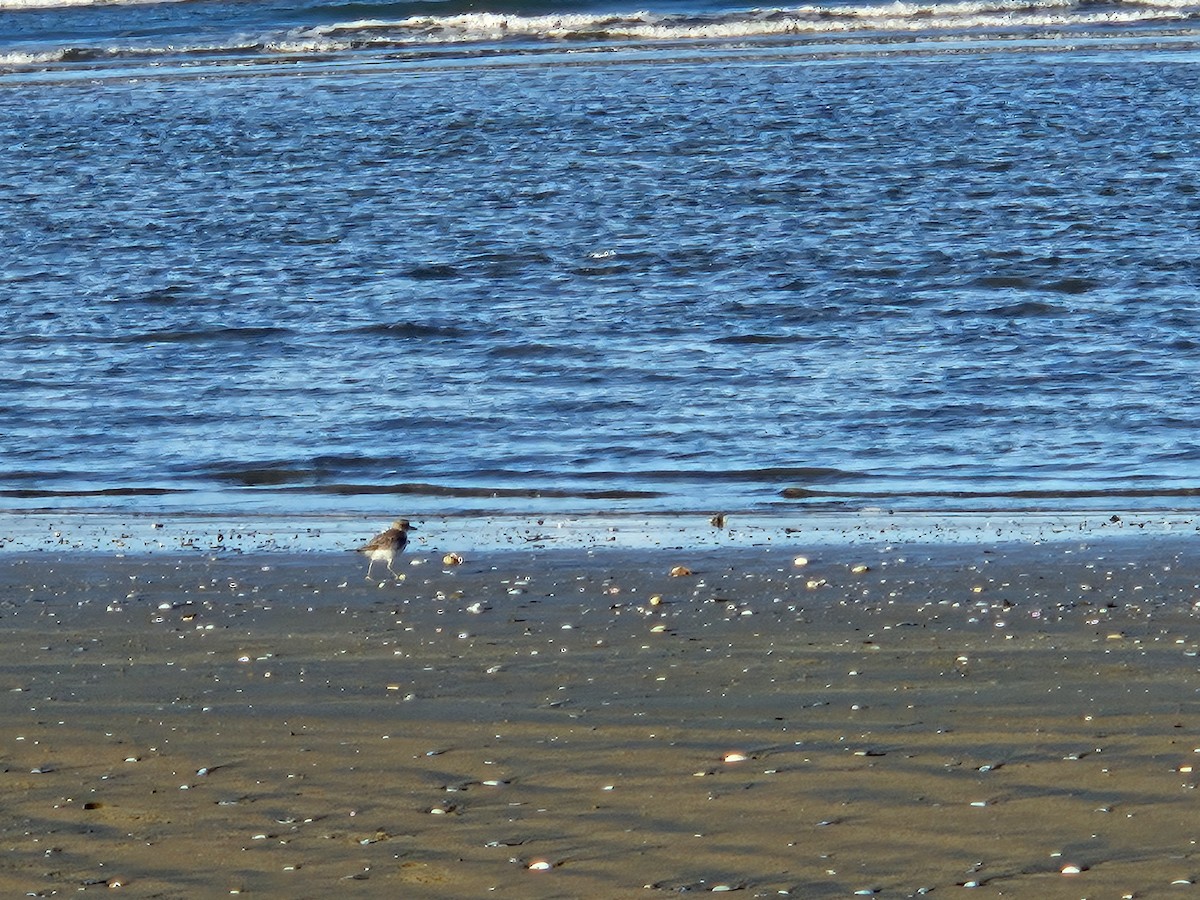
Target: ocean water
438,257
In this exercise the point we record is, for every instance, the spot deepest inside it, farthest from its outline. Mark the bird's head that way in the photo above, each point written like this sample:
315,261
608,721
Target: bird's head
402,525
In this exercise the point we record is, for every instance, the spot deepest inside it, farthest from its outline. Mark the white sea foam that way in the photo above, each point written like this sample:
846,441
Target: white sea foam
900,17
306,46
20,58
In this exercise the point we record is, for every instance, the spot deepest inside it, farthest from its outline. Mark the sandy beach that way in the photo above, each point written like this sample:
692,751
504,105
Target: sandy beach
891,720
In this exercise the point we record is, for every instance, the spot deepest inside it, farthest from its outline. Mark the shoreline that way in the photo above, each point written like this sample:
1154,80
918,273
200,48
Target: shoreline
153,533
892,719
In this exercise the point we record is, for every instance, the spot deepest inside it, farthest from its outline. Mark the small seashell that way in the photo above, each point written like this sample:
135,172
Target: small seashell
540,865
800,561
680,571
735,756
658,629
656,600
815,583
1071,870
859,569
452,559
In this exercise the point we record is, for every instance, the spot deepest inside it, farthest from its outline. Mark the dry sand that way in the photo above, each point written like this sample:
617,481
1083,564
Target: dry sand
274,725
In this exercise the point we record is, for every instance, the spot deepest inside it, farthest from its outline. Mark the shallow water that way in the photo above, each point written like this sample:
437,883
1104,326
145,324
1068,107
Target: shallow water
760,274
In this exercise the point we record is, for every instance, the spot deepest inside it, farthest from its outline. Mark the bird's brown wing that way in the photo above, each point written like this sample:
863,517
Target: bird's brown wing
378,542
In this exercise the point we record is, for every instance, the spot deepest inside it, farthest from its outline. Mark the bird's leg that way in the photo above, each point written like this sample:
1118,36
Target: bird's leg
370,565
398,576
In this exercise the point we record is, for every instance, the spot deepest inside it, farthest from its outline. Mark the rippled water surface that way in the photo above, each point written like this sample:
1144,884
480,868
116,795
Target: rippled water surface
727,281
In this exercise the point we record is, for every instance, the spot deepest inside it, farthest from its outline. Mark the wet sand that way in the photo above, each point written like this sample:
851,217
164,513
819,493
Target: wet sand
198,725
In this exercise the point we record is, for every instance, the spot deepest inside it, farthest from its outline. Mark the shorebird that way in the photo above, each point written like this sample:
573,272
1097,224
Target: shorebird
386,546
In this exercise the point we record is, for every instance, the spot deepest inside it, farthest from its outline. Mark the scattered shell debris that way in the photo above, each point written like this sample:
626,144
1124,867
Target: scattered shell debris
893,679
